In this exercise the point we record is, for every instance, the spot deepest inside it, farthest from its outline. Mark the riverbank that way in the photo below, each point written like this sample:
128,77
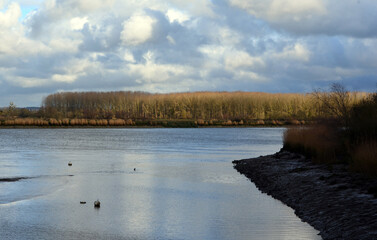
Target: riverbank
121,123
340,204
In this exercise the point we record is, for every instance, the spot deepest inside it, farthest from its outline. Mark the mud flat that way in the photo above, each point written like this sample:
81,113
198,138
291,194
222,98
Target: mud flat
339,204
13,179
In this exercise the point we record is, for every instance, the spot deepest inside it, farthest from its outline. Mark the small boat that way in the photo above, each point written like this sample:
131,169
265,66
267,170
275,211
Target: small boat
97,204
70,164
82,202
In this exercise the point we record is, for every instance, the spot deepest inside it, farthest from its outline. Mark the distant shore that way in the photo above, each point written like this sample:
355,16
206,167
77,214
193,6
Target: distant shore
130,123
130,127
340,204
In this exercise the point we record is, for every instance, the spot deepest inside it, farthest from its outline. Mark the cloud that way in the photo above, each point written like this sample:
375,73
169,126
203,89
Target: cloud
295,10
138,29
10,17
298,52
86,6
176,45
195,7
78,23
175,15
240,59
311,17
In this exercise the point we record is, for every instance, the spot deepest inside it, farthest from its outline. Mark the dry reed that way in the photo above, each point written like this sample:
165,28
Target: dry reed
319,142
92,122
365,158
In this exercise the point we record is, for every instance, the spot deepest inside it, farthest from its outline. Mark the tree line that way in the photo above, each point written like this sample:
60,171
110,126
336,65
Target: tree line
197,105
183,109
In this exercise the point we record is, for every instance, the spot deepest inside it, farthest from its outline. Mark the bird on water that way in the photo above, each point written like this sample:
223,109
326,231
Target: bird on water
97,204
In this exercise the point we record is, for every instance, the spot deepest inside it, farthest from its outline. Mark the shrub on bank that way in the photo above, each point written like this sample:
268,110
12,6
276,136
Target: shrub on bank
350,138
54,122
117,122
364,158
294,122
65,122
102,122
92,122
363,120
9,122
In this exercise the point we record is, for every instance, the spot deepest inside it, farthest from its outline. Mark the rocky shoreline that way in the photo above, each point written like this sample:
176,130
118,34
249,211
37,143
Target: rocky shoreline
339,204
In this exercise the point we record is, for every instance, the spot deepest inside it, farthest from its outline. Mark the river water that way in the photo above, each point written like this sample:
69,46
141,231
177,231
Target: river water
184,186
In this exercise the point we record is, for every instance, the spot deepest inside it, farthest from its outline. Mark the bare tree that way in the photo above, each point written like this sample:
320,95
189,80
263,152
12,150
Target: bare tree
11,111
336,102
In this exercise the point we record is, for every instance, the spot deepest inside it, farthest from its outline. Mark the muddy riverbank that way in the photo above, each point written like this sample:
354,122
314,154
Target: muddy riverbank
340,204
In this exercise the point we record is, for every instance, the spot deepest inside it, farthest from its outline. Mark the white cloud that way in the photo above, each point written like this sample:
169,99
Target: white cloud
176,16
64,78
152,72
9,18
78,23
240,59
250,77
195,7
298,52
128,56
138,29
3,3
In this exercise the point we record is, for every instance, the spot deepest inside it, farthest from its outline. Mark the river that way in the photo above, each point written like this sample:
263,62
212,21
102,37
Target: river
183,186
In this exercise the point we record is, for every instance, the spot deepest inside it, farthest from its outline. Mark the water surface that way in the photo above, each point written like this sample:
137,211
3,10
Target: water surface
184,186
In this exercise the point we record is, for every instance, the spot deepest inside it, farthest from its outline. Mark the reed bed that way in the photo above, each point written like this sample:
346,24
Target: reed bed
320,142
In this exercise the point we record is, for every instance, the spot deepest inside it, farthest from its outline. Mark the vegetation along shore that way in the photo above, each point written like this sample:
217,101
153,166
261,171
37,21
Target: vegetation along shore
198,109
327,171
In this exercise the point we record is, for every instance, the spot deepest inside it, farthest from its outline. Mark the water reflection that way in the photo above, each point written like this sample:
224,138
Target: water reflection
184,186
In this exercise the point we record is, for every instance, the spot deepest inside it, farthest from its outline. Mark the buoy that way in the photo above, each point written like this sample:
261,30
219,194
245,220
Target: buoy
97,204
69,164
82,202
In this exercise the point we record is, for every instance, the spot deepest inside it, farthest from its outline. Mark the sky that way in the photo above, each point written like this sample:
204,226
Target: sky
162,46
